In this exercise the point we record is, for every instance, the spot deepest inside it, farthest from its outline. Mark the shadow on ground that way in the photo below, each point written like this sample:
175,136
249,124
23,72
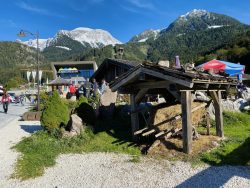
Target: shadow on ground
218,176
31,128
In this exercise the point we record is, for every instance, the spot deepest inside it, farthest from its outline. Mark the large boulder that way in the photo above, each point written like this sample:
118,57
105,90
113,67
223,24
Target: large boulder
75,126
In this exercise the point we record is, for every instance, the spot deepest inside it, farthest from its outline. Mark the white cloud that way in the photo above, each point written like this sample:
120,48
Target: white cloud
145,4
31,8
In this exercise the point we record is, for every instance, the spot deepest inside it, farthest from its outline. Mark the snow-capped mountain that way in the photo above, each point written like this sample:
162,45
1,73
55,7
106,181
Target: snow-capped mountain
42,43
197,20
145,35
94,38
195,13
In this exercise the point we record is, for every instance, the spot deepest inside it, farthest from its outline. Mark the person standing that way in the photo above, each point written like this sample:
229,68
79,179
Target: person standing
72,90
88,86
103,86
5,101
94,87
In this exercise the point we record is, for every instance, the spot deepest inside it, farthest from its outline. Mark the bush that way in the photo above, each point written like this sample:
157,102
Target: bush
44,97
55,114
94,100
81,100
86,113
70,104
14,83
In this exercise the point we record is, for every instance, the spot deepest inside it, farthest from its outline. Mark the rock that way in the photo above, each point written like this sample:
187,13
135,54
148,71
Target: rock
234,105
75,126
200,96
215,144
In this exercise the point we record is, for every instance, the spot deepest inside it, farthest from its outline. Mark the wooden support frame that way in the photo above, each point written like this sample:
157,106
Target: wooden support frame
127,79
140,95
185,83
216,96
186,100
134,116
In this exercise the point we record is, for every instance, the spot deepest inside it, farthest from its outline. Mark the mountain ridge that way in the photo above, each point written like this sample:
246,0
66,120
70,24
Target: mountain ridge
94,38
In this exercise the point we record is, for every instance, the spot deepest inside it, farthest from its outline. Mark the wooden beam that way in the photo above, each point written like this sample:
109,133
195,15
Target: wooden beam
127,79
216,96
207,121
152,84
148,132
140,95
168,78
186,99
140,131
134,116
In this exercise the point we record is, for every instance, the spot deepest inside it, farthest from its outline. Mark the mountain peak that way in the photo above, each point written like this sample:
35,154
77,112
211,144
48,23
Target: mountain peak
94,38
195,13
145,35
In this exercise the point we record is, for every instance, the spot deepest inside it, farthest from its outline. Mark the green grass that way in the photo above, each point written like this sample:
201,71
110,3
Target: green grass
235,149
40,150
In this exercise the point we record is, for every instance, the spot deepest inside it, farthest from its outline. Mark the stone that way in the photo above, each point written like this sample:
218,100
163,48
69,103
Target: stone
75,126
200,96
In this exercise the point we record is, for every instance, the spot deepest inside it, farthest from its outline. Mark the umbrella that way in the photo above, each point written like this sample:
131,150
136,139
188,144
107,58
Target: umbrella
232,69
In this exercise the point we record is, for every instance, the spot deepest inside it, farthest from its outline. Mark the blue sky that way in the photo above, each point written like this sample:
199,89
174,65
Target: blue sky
122,18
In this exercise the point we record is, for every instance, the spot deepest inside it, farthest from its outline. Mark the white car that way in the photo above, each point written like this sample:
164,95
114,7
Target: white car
12,97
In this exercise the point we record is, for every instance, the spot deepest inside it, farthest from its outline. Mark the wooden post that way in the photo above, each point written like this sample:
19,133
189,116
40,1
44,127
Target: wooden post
134,116
216,96
208,121
186,99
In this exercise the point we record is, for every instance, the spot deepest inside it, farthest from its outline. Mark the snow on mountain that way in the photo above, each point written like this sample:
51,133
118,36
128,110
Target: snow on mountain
145,35
63,47
94,37
215,26
195,13
42,43
143,40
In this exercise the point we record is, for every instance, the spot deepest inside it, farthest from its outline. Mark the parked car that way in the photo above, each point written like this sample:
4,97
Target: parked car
12,97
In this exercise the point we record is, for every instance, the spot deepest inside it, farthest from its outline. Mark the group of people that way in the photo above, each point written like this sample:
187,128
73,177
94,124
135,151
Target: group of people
87,89
241,90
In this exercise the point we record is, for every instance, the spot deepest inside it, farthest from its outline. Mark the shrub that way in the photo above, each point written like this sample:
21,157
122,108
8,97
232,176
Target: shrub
55,114
70,104
86,113
44,97
81,100
94,100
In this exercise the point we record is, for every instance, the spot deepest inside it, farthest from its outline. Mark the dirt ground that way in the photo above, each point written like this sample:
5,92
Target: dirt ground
172,147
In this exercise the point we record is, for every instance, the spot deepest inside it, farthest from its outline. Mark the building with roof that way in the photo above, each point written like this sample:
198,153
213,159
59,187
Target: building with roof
74,71
112,68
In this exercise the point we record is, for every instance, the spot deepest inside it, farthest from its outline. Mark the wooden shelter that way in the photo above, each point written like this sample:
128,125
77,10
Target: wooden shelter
60,83
174,85
112,68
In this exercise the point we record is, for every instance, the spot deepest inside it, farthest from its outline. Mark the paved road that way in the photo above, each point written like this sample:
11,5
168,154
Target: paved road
14,112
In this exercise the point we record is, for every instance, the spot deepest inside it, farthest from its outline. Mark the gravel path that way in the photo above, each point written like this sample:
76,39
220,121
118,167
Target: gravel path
113,170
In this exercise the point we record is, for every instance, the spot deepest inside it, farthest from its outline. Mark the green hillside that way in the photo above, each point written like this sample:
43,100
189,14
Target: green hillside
14,57
237,50
54,53
132,51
